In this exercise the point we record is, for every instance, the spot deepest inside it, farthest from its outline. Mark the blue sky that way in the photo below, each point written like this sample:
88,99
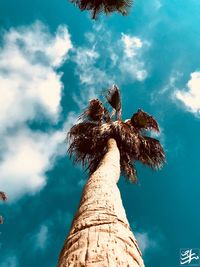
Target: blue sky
53,59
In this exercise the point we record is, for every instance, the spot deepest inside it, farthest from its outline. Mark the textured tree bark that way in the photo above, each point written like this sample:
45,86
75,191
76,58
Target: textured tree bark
100,235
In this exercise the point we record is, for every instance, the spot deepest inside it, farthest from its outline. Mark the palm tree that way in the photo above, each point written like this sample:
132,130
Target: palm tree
4,198
106,6
100,234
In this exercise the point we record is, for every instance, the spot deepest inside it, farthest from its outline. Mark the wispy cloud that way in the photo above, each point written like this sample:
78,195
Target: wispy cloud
190,97
132,64
167,90
157,4
106,59
41,238
131,45
31,89
145,241
44,234
10,261
150,241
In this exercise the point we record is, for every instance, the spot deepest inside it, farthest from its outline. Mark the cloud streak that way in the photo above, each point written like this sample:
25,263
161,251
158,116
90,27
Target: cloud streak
10,261
145,242
41,238
121,56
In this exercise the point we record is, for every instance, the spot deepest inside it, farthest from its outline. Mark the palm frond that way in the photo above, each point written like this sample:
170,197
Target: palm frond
114,99
128,168
143,121
87,141
95,112
151,152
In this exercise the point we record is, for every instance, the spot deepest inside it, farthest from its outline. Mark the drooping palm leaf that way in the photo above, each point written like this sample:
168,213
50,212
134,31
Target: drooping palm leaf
128,168
151,152
114,99
143,121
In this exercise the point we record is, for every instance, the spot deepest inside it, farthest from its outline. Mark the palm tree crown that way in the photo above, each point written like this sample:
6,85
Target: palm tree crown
106,6
88,138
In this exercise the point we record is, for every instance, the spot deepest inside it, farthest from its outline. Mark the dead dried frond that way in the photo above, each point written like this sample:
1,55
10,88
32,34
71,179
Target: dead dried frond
95,112
151,152
114,99
143,121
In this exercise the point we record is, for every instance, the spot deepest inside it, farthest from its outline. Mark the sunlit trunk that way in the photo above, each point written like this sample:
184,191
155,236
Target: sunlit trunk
100,235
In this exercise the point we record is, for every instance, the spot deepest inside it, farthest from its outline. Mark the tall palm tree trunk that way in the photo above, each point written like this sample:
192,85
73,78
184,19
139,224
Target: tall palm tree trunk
100,235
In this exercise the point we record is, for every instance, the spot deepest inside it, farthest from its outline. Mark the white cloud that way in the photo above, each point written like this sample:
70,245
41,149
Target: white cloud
28,156
191,97
31,89
28,61
134,70
121,59
131,45
145,242
131,63
41,238
150,241
88,73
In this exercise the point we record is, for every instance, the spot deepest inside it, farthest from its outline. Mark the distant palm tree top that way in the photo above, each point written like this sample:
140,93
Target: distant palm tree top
106,6
4,198
88,138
